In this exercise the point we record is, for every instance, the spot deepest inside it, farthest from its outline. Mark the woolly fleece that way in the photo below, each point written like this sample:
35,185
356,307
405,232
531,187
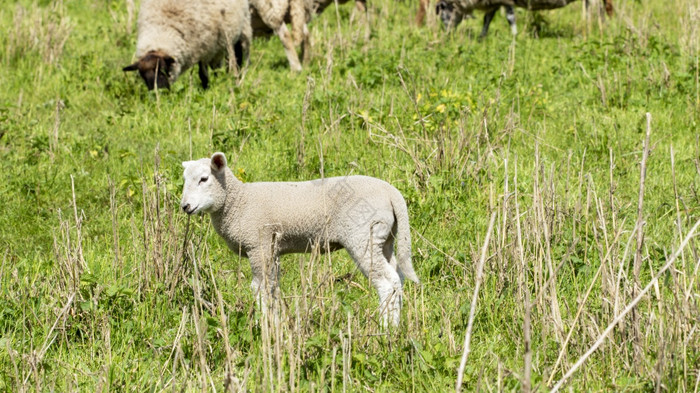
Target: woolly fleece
191,31
263,220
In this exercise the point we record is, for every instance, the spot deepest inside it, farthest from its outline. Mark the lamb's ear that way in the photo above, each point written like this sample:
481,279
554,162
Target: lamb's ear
185,164
218,162
131,67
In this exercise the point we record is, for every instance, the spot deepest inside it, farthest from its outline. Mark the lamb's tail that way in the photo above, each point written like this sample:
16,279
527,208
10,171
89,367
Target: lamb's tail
403,236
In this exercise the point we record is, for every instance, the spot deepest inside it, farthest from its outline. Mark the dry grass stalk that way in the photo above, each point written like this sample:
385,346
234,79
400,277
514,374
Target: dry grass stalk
41,30
472,309
639,353
200,327
523,283
627,309
78,227
115,226
175,352
580,309
37,358
543,239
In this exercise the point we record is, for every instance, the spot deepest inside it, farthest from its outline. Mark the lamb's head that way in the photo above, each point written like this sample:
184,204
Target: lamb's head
205,184
449,14
156,69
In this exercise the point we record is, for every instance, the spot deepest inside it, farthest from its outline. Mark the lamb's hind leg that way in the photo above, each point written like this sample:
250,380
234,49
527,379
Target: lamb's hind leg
370,255
289,49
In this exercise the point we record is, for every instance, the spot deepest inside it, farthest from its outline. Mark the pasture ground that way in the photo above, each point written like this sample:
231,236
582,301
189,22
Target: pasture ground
106,286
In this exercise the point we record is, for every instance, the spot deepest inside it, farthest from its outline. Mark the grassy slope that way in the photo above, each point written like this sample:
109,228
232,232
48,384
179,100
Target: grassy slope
146,313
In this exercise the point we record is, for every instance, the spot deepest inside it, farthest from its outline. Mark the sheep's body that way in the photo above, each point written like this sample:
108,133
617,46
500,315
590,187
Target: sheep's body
320,5
271,16
261,221
174,35
452,12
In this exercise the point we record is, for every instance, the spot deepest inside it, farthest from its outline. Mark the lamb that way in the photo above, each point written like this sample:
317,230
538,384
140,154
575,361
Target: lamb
262,221
452,12
174,35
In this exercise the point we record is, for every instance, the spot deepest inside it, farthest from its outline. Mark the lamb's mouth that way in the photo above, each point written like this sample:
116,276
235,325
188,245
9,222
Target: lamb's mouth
190,210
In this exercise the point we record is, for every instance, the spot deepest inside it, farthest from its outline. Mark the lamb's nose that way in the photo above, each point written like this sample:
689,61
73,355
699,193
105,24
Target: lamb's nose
186,207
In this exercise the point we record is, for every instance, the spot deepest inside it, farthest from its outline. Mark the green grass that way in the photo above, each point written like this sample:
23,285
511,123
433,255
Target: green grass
101,289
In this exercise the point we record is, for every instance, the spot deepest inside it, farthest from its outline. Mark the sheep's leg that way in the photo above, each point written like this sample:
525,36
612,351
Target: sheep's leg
361,6
242,48
289,48
370,255
488,16
203,75
510,16
609,9
422,9
305,45
238,53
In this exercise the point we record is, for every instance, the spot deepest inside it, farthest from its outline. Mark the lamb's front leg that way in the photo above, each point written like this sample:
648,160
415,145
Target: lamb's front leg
265,287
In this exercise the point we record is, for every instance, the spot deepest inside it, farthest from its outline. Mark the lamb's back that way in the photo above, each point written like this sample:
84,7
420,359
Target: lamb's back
313,204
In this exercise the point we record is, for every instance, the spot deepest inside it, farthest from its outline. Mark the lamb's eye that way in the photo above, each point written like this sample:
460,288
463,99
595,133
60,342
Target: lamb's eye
203,179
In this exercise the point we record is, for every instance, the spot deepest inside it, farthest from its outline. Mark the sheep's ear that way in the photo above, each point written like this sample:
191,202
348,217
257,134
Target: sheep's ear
132,67
168,61
185,164
441,5
218,162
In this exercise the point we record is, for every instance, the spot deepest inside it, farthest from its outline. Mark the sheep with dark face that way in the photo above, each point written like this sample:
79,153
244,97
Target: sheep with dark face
174,35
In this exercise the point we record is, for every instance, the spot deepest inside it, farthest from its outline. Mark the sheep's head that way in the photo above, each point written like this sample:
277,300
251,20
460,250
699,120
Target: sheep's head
155,68
205,184
449,14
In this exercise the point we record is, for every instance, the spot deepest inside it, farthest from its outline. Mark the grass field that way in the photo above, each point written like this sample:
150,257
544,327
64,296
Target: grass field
105,285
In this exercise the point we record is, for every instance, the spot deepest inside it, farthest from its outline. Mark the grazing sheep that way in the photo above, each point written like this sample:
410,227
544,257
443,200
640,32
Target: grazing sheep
452,12
262,221
321,5
174,35
271,16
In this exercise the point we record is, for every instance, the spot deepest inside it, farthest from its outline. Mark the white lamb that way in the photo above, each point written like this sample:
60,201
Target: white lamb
174,35
262,221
